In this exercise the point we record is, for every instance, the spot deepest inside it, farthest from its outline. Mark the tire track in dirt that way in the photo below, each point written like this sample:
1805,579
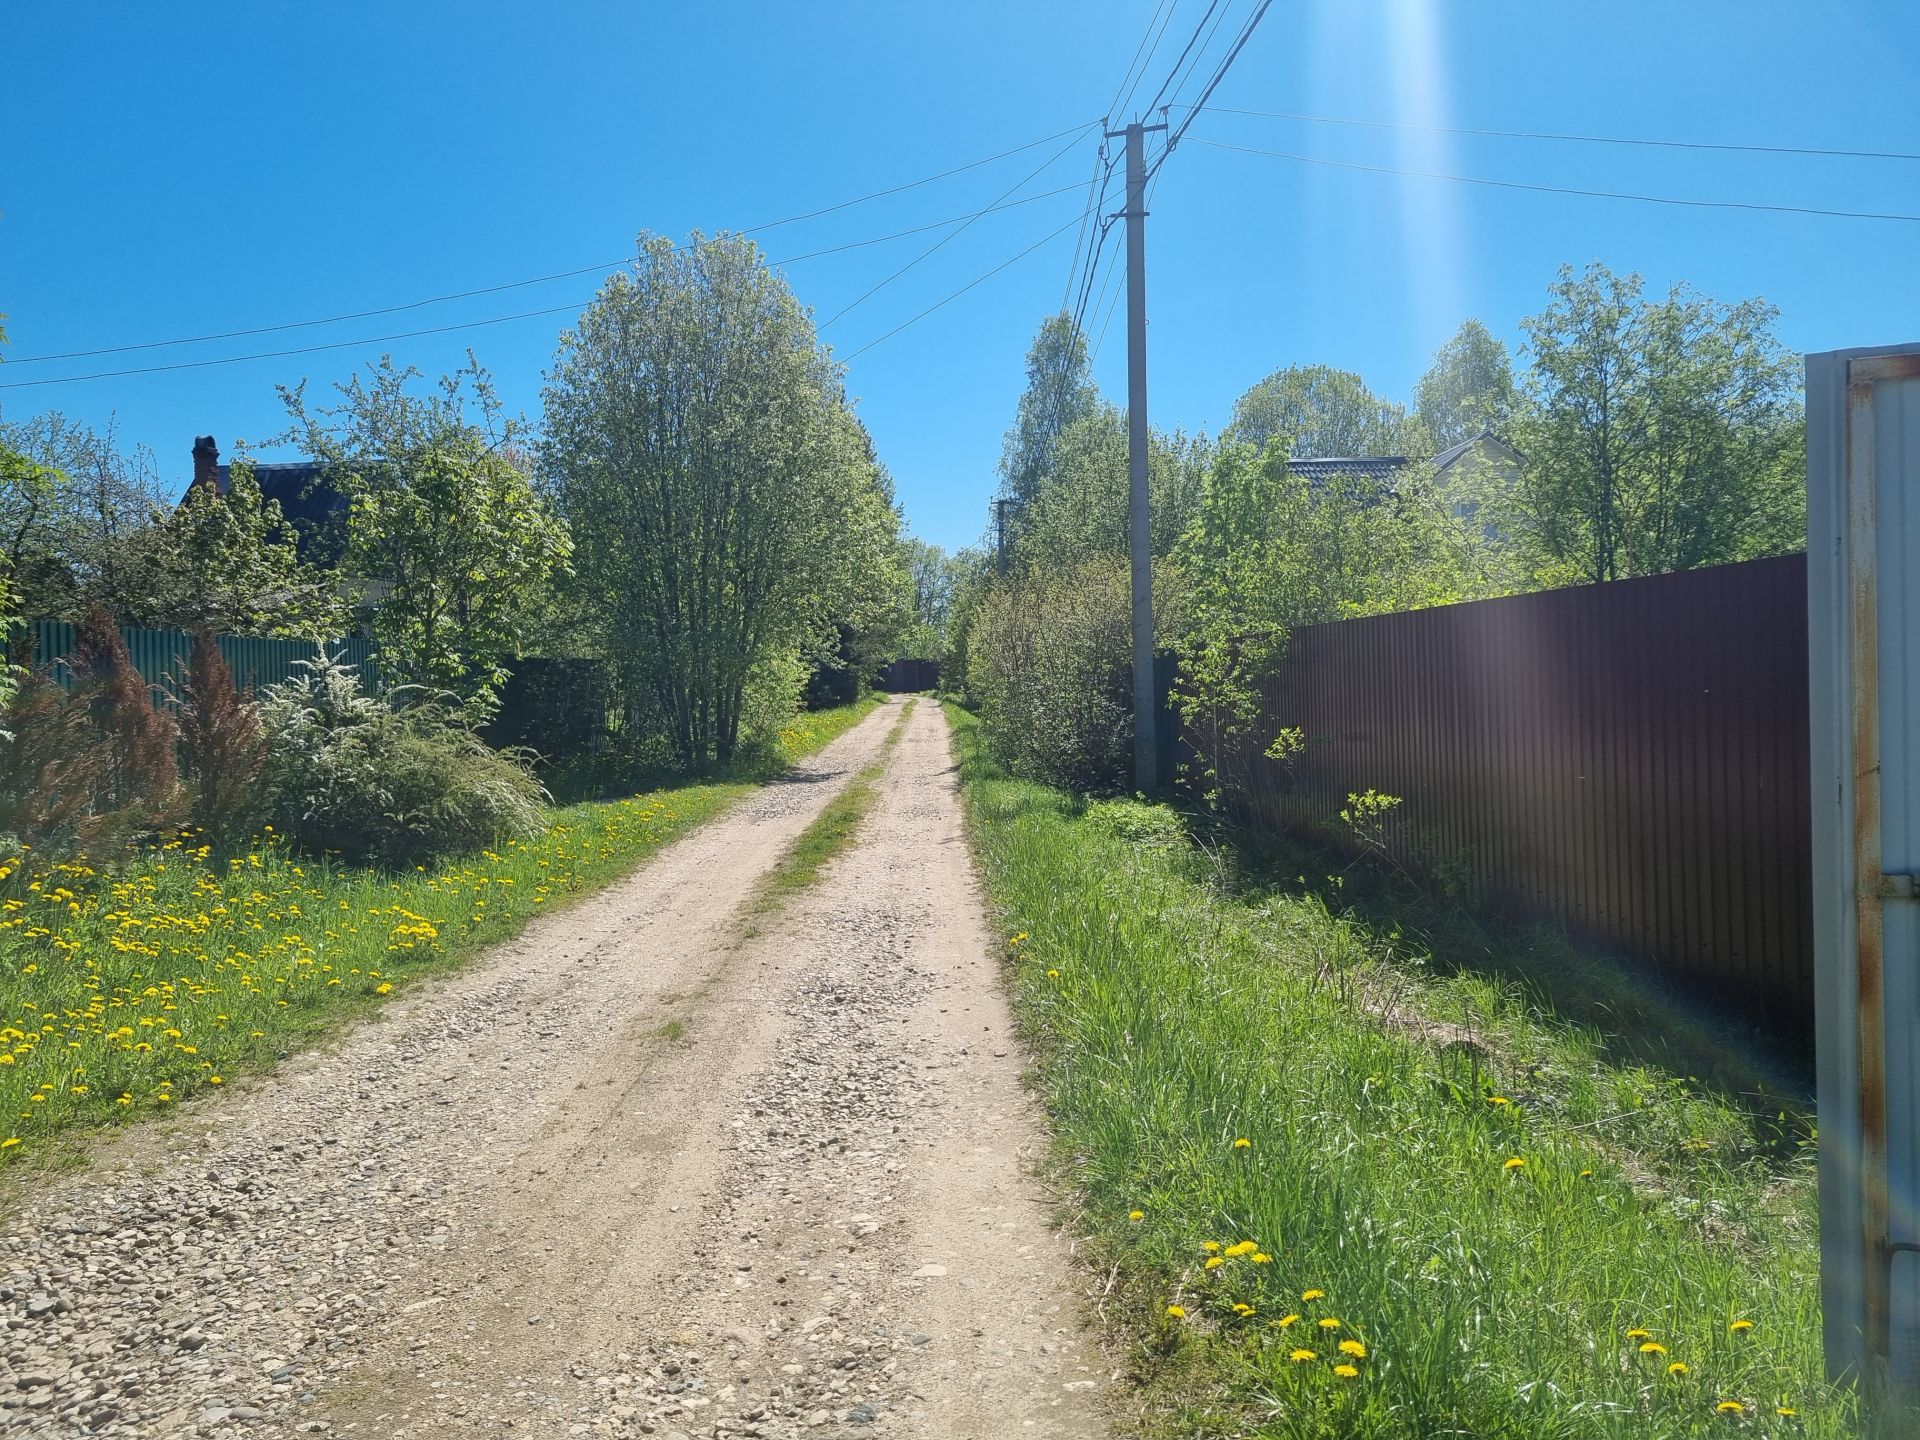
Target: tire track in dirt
629,1175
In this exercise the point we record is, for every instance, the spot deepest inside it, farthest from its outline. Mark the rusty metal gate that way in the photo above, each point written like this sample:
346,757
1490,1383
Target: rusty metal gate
1863,492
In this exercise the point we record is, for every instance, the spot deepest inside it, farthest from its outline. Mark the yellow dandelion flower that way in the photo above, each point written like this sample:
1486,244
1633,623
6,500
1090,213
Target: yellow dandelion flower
1214,1262
1639,1334
1353,1348
1300,1357
1730,1407
1136,1215
383,988
1652,1347
1313,1294
1243,1143
1211,1246
1513,1164
1346,1372
1243,1310
1786,1410
1284,1321
1329,1323
1176,1312
1678,1367
9,1142
1244,1247
1498,1100
1740,1327
1260,1257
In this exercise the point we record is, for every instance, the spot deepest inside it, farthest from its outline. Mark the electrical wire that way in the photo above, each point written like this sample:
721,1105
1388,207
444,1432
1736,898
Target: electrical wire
978,279
1075,130
1568,189
1150,54
473,324
1154,103
1573,139
1113,105
1201,54
876,288
1219,74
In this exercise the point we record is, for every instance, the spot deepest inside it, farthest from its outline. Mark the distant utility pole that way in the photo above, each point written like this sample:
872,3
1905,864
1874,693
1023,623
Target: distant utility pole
1146,748
1000,531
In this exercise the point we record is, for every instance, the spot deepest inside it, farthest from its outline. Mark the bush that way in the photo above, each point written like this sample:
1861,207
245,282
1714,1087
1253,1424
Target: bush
1050,663
347,773
48,768
222,749
138,786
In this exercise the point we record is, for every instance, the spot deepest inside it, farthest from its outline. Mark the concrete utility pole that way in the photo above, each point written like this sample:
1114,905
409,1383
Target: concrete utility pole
1000,532
1146,747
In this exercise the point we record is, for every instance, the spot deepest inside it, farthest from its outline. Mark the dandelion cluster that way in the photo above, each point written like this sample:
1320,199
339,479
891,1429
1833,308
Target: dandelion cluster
126,988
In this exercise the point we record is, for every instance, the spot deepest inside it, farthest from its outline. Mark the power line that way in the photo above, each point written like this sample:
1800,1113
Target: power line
1569,190
1113,105
1150,54
1191,39
464,324
978,279
1076,131
1205,46
875,289
279,354
1219,74
1093,182
1575,139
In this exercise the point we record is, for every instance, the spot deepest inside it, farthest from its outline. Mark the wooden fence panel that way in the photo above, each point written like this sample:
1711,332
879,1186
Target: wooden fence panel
1630,758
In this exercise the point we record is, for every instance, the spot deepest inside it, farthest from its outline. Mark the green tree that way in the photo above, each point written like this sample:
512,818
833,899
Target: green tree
726,506
1081,507
1060,391
73,509
1469,387
1659,435
1268,552
931,577
229,564
1324,412
445,529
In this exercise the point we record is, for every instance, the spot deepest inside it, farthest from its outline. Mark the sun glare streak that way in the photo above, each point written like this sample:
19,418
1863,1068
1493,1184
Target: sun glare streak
1430,221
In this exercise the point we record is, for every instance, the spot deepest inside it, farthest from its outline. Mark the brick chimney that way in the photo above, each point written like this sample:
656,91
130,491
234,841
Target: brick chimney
206,455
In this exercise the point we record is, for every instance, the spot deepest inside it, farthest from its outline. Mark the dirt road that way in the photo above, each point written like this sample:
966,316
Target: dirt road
639,1172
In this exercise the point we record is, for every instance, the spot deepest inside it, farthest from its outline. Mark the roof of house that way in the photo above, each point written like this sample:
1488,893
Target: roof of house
1373,467
1453,452
308,501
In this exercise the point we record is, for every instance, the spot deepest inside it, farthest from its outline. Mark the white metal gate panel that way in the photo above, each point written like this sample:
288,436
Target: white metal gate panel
1863,588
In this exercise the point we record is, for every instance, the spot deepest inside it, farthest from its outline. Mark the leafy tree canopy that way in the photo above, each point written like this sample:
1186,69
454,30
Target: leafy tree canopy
1324,412
727,506
446,532
1060,391
1468,389
1659,434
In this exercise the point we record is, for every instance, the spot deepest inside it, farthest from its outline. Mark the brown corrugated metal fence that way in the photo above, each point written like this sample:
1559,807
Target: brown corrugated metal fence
1630,757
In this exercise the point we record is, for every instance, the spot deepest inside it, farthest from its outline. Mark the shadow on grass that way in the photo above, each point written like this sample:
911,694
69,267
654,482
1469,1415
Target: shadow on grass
1638,1016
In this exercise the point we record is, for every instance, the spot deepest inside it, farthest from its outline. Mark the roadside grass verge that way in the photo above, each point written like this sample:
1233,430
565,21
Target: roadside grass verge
125,989
1326,1207
829,834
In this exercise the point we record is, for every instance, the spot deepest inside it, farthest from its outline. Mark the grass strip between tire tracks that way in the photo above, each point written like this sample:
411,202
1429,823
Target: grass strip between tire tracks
126,989
1316,1220
829,834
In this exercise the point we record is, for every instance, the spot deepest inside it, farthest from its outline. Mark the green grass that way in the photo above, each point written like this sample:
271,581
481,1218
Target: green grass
125,989
830,833
1491,1199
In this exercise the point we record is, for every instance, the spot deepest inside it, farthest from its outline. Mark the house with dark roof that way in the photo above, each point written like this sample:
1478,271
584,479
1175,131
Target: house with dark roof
313,508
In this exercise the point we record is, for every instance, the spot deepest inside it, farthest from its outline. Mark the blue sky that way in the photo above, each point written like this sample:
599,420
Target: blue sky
173,170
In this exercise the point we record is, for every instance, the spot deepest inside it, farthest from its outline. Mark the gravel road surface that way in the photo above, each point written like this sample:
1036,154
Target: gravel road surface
641,1171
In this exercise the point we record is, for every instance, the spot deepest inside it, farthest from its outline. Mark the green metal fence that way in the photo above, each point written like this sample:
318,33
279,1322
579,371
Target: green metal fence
161,655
